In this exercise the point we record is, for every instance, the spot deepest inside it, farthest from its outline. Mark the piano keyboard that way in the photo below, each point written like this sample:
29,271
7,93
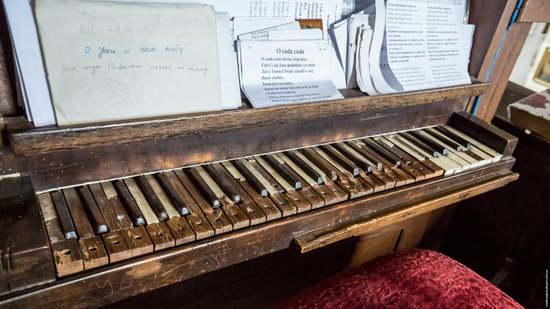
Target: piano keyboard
102,223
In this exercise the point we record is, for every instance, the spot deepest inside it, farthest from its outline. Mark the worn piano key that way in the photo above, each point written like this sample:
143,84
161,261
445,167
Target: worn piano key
465,155
356,157
78,214
203,187
180,230
91,247
195,218
218,220
122,216
297,200
453,136
409,164
172,193
342,160
254,213
93,252
275,176
65,220
151,197
383,152
355,187
307,166
471,152
140,241
210,182
493,153
317,161
450,154
366,153
127,200
418,134
420,144
171,211
267,180
419,162
389,170
235,214
94,214
447,141
65,252
118,245
398,152
160,236
248,174
141,201
224,180
67,257
324,192
449,166
264,203
104,206
282,168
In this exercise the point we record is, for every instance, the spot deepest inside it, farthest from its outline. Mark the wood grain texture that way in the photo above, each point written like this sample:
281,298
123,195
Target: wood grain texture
502,69
58,169
491,17
327,236
140,275
26,259
487,134
535,11
69,138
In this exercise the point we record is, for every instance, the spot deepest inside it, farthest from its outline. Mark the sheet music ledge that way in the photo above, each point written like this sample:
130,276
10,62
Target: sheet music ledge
52,139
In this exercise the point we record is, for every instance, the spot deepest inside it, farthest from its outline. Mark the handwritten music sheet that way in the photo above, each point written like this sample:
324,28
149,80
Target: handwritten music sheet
112,61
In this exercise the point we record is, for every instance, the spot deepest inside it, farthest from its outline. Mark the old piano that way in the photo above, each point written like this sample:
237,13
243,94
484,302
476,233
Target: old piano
90,215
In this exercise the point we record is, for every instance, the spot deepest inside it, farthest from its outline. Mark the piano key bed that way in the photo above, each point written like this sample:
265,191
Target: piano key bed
103,223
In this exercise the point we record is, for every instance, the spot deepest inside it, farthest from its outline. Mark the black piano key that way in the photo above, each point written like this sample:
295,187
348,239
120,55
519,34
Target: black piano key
400,153
266,175
94,214
346,163
128,202
172,193
152,198
310,171
428,142
367,154
454,145
250,178
284,171
320,162
63,215
224,181
365,166
393,159
420,144
203,187
453,136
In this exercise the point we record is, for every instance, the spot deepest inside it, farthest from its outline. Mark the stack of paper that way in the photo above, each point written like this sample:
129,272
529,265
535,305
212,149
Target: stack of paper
405,45
284,64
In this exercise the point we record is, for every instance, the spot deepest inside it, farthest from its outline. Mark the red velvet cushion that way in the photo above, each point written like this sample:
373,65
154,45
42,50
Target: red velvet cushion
413,279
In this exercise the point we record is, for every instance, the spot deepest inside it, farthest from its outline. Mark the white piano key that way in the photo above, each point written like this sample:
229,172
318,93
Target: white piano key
263,163
451,155
163,198
210,182
485,158
310,181
473,162
325,156
308,162
267,185
445,163
493,153
141,201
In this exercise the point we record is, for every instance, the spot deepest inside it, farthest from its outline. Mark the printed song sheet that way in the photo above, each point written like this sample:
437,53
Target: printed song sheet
426,45
107,61
286,72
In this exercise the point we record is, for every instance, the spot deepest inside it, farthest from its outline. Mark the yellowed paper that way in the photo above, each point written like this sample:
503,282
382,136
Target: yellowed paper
111,61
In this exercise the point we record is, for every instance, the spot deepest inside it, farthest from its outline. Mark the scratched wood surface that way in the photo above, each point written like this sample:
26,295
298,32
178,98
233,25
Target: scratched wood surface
82,137
58,169
140,275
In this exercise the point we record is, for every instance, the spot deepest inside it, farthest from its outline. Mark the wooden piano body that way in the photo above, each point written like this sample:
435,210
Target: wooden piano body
40,160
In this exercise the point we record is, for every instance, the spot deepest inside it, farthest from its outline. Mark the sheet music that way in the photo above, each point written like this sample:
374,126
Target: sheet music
106,61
